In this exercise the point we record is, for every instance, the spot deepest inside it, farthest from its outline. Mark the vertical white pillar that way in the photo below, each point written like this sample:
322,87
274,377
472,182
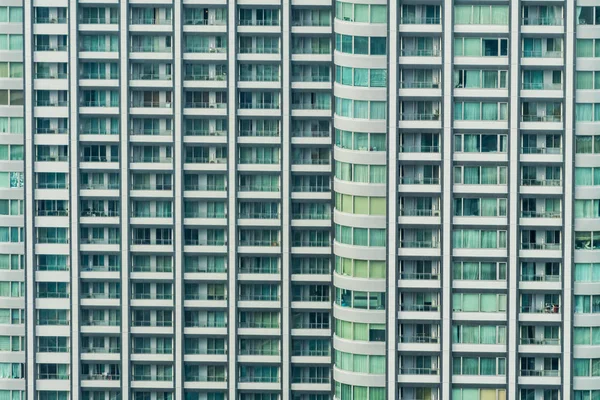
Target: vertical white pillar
29,201
392,205
513,202
178,237
568,184
124,157
231,198
446,140
74,193
286,192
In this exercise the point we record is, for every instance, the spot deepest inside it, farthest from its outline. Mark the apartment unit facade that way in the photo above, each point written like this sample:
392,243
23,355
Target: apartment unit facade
299,200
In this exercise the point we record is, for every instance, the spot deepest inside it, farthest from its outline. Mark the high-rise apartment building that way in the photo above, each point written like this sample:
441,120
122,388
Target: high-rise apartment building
299,200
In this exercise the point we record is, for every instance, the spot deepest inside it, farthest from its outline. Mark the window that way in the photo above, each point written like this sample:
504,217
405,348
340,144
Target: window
484,111
478,239
480,47
360,268
477,79
363,77
474,271
360,236
361,173
376,14
11,42
479,334
475,175
480,143
479,302
587,176
479,366
375,46
480,15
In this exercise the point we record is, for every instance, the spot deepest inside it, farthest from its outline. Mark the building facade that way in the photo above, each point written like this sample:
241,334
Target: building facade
299,200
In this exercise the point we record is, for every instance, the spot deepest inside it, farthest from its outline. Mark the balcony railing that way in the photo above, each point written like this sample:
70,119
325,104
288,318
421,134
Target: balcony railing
51,47
420,52
100,186
539,278
311,78
205,242
205,77
155,378
208,351
209,378
96,75
419,85
541,342
419,339
100,240
311,188
546,309
419,181
311,243
205,324
540,246
545,214
311,133
420,276
50,20
136,48
311,353
311,161
259,133
543,21
541,150
203,21
101,350
420,116
150,21
541,118
205,187
52,213
101,268
259,379
541,86
257,351
51,75
100,158
52,103
539,372
260,22
98,20
541,182
259,243
417,212
311,106
259,106
151,77
419,307
148,242
311,22
418,371
311,50
411,20
258,215
542,54
420,149
258,297
311,216
205,49
317,380
259,50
